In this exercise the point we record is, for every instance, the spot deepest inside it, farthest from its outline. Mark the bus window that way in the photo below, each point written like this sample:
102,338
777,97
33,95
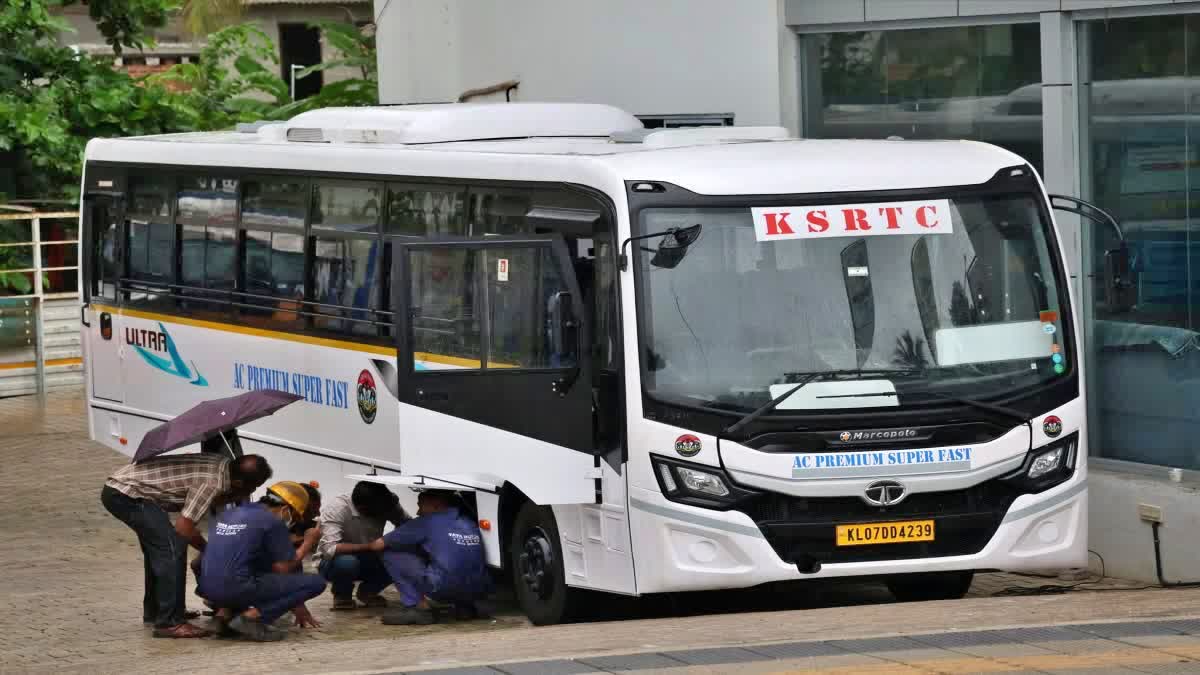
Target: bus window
150,241
445,309
207,214
499,212
526,292
346,255
426,212
273,212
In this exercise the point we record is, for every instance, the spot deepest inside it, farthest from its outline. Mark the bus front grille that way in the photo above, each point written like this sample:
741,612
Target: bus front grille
802,530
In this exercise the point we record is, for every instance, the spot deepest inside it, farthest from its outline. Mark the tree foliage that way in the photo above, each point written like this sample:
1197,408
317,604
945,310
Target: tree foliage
53,100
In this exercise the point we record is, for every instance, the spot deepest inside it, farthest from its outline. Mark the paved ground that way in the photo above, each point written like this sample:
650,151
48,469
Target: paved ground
70,602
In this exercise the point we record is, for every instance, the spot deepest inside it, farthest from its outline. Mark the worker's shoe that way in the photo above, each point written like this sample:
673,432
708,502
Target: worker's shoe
372,600
407,616
255,630
467,611
341,603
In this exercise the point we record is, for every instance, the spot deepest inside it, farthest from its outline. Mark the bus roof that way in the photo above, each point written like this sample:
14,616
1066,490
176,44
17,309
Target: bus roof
580,143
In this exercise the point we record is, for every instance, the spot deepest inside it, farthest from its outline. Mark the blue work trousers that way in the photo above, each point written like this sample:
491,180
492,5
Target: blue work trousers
272,594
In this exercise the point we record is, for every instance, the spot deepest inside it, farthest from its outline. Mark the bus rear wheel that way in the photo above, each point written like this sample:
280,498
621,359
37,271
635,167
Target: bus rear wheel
538,576
930,586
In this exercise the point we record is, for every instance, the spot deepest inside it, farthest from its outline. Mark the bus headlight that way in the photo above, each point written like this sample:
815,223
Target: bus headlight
703,482
1046,466
1046,462
697,484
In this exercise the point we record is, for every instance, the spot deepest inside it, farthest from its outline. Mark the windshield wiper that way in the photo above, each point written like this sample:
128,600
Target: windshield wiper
805,379
1019,416
769,405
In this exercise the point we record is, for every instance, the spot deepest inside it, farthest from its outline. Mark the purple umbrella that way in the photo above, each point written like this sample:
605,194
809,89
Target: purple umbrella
211,419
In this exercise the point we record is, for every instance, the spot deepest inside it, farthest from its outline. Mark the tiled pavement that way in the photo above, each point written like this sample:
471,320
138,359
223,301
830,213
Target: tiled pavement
70,602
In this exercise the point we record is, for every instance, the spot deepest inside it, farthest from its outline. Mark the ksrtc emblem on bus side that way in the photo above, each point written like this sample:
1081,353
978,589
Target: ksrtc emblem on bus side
687,445
367,405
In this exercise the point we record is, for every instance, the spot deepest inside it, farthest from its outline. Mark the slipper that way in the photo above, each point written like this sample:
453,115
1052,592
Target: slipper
181,632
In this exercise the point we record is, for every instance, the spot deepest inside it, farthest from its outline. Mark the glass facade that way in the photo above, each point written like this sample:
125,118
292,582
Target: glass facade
1138,156
1142,96
977,82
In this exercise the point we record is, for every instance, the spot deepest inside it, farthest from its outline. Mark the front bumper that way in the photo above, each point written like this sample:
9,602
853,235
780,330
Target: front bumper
698,549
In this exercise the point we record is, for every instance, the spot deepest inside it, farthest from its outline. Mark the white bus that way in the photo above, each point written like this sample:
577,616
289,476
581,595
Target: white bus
654,361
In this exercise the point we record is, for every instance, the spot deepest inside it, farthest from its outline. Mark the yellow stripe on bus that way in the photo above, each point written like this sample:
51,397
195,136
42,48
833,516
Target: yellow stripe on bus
293,337
69,361
246,330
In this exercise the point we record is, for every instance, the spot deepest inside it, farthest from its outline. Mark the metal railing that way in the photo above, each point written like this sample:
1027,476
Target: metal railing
26,282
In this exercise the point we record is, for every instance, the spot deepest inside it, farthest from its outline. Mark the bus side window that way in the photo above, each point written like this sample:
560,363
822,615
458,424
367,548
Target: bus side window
150,244
104,250
273,213
526,294
446,309
346,255
207,213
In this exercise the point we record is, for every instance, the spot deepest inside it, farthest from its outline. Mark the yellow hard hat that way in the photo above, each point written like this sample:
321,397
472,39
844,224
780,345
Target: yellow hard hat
292,493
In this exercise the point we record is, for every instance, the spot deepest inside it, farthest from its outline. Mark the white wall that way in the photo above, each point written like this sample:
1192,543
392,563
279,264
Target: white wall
660,57
1126,542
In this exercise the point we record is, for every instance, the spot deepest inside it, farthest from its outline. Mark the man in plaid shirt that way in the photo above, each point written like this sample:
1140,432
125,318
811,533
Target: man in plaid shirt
140,495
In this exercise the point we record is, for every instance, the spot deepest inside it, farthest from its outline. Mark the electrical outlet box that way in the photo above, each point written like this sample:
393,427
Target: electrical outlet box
1150,513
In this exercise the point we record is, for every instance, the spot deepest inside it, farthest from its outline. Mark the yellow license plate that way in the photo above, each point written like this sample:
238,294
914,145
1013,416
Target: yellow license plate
901,532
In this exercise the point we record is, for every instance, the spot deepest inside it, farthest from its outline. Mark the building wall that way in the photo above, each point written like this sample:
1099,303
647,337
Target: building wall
665,57
269,17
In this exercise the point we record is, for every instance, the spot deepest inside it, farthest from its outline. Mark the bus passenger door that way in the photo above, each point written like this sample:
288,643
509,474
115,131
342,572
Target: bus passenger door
493,380
102,334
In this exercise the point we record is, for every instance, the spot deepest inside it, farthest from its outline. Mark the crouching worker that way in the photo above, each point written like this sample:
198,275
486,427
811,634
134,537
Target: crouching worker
248,567
437,556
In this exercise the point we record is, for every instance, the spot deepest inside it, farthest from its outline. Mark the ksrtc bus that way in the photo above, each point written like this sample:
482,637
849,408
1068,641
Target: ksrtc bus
654,360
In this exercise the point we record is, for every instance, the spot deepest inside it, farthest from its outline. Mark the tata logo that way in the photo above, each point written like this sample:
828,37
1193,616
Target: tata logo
880,435
146,342
885,493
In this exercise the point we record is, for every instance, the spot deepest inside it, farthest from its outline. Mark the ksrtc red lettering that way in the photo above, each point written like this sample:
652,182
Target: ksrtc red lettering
923,214
893,216
777,224
856,219
818,221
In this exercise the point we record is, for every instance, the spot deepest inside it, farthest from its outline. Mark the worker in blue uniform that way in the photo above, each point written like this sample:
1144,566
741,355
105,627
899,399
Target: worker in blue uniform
250,570
438,556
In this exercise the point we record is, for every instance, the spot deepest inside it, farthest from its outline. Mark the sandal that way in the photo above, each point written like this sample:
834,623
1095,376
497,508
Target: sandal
181,632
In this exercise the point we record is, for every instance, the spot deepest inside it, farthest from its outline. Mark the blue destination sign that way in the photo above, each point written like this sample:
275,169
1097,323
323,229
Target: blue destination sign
880,462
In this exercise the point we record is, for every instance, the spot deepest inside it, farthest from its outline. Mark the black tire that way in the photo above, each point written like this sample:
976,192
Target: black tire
536,560
930,586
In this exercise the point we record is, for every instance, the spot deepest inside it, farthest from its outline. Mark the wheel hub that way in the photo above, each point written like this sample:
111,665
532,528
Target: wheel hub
537,564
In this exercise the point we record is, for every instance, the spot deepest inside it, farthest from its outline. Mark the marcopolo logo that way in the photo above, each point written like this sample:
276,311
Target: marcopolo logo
873,436
367,403
146,342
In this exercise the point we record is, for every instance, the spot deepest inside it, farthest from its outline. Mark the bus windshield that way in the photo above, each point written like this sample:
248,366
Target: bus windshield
894,319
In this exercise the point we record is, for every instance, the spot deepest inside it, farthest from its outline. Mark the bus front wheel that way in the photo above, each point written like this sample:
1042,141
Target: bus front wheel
930,586
538,576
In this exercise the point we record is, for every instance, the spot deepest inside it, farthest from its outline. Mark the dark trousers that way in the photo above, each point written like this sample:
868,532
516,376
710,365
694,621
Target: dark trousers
344,570
164,556
272,594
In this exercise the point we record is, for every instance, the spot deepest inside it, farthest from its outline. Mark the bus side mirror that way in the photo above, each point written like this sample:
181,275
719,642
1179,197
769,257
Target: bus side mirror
1120,279
673,246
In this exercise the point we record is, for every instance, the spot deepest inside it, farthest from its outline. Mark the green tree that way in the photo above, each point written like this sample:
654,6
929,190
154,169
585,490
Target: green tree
53,100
